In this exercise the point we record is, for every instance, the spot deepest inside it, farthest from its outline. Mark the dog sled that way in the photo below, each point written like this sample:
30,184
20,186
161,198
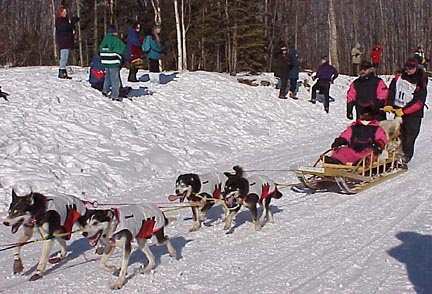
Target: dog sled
369,171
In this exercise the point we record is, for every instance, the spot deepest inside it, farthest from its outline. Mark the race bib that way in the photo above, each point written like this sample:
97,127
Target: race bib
404,92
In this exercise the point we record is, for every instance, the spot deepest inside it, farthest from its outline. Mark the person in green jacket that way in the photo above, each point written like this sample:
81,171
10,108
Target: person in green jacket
111,51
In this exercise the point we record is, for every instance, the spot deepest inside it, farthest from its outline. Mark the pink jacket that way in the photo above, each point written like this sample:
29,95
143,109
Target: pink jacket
359,138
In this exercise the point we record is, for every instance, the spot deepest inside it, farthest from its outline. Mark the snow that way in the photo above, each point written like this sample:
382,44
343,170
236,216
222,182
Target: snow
63,136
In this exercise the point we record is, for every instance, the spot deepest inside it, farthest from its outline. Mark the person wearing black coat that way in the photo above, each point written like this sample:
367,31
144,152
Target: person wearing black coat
281,69
293,74
407,98
64,38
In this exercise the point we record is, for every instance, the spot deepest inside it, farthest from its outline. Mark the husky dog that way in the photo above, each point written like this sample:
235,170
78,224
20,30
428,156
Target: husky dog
53,216
203,191
249,191
118,227
393,130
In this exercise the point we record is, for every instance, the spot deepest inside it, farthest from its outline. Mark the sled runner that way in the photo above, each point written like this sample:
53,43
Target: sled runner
353,178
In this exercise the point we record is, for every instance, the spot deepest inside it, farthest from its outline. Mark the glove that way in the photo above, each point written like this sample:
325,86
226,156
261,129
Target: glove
388,108
339,142
399,112
376,148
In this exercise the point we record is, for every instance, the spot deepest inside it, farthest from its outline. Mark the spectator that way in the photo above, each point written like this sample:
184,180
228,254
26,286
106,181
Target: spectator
64,35
153,47
421,57
356,59
134,56
293,73
281,69
326,74
367,91
375,55
407,95
111,51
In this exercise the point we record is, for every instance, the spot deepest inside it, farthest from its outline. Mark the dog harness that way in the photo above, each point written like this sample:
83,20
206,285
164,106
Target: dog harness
141,220
262,186
212,184
69,208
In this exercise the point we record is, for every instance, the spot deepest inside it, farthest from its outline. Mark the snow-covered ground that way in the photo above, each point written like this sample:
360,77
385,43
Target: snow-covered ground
64,136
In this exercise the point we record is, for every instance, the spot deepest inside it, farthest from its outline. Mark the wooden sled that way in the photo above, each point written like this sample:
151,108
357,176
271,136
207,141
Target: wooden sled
351,179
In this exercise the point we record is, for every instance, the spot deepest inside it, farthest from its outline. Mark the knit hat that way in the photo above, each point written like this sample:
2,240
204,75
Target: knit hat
112,29
364,65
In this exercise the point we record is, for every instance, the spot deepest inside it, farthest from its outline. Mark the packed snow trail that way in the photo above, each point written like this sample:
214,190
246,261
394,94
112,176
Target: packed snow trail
64,136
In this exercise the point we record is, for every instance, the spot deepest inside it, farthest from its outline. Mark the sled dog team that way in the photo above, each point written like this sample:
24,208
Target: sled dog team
54,217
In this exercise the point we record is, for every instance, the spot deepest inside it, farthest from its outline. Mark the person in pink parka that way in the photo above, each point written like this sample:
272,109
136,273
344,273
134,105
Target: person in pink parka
361,138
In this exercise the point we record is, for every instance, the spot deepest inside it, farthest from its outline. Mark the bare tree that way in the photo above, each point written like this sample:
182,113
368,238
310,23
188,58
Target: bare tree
179,38
80,45
334,58
53,10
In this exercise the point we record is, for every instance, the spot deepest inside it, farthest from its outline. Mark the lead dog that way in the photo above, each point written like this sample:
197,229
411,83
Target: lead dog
117,227
53,216
249,192
202,191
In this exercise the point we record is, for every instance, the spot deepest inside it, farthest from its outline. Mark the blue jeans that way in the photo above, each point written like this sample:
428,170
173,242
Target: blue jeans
112,81
64,56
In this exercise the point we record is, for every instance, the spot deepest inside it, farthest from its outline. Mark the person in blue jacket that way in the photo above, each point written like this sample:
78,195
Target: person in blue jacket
134,53
153,48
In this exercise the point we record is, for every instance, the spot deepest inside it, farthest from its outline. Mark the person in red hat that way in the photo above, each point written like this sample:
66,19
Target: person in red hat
407,98
367,90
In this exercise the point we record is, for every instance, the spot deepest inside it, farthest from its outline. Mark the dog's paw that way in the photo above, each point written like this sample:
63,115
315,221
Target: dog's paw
173,254
55,259
146,269
117,285
35,277
18,266
100,250
194,228
258,227
110,268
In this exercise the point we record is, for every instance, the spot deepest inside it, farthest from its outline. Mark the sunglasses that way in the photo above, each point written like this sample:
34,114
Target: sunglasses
410,66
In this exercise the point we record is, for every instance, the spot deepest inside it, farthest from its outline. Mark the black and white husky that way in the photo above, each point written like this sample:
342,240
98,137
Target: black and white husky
202,191
249,191
118,227
53,216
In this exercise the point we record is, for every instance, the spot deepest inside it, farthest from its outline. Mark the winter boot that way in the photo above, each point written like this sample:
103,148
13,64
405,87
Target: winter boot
132,74
63,74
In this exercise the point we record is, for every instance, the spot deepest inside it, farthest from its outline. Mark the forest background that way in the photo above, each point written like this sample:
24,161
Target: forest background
224,35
